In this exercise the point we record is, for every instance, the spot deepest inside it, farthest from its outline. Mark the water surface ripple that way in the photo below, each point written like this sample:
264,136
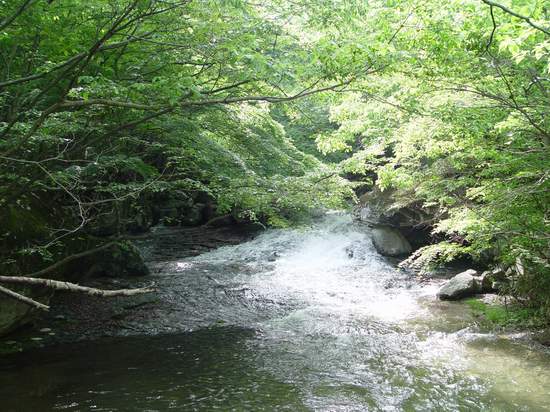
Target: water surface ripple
308,319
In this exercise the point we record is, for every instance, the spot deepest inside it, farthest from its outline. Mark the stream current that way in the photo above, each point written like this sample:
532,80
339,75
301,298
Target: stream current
309,319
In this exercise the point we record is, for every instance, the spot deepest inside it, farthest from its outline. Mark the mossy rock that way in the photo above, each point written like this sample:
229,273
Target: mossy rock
14,314
121,260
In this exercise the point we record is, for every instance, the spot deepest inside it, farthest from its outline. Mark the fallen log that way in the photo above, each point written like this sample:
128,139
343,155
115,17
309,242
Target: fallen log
63,286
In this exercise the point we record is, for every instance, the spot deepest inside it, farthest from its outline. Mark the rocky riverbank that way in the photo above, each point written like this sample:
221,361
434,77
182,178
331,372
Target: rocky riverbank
316,306
75,317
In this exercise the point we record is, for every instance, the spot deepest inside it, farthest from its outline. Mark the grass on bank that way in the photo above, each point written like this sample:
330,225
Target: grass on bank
496,315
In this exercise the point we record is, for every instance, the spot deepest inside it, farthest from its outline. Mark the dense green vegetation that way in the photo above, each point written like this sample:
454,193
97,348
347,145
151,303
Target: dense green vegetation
460,125
110,107
500,315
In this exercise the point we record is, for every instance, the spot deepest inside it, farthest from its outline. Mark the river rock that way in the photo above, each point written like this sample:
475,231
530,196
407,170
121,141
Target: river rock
493,280
543,337
220,221
464,284
390,242
14,314
487,280
121,260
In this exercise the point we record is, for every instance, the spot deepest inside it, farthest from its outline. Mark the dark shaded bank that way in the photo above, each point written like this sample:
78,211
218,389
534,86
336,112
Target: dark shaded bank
75,317
103,248
311,318
405,231
161,371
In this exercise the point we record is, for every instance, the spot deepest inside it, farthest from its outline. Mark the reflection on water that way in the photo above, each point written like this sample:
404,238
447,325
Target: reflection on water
212,369
299,320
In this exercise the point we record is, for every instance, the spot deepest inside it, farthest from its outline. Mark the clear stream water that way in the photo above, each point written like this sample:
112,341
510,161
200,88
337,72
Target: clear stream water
294,320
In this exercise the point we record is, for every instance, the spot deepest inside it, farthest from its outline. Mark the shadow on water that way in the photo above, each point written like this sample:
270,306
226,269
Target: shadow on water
209,369
240,369
304,319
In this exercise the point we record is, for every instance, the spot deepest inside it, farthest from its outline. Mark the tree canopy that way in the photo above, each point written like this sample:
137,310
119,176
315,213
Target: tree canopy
273,109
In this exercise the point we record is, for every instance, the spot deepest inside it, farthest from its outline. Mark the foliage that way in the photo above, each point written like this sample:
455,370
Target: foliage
431,257
460,124
498,315
109,108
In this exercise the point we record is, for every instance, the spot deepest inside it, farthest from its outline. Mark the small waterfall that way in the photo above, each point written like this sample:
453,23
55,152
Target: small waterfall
308,319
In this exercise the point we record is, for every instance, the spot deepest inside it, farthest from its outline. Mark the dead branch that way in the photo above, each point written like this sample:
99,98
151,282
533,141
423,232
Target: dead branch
64,286
73,287
24,299
34,280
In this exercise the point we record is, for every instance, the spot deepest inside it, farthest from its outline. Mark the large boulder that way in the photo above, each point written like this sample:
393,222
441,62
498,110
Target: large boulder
391,207
495,280
122,259
388,241
395,209
221,221
13,313
192,216
464,284
490,278
181,208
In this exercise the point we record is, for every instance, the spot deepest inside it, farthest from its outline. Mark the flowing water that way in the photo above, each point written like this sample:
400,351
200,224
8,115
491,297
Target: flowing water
294,320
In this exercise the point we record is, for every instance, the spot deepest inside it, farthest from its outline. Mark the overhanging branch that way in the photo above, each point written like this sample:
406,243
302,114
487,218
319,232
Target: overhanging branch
63,64
9,20
67,104
517,15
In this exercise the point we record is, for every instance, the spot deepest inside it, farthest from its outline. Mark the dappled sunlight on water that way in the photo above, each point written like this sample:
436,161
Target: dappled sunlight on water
302,319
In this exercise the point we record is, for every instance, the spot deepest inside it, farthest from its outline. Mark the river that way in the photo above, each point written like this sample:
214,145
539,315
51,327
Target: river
308,319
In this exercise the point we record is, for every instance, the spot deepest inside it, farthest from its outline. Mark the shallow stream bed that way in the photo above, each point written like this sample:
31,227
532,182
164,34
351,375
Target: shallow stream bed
308,319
